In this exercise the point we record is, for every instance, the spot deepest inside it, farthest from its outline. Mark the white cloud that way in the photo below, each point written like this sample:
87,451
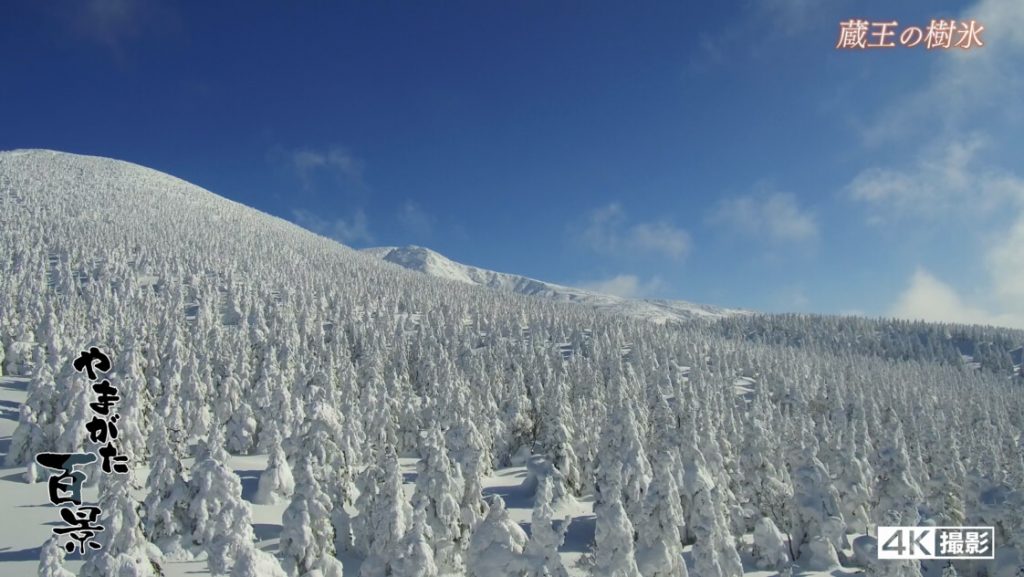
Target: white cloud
978,199
970,98
335,161
415,219
776,216
626,285
928,298
1005,262
345,230
942,180
607,230
952,183
964,83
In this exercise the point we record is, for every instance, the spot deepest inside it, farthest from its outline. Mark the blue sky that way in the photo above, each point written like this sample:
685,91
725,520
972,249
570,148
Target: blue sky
725,153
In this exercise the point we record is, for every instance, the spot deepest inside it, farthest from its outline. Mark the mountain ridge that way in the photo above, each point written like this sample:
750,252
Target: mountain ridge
435,264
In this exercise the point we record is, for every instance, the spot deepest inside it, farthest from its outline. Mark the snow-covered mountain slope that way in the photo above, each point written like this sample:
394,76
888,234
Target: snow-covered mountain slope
235,335
437,265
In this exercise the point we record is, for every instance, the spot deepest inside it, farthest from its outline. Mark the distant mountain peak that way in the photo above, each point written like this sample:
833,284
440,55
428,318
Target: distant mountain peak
435,264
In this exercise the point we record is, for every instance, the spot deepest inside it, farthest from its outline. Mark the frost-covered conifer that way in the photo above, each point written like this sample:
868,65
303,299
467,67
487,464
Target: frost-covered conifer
497,546
853,484
558,436
623,466
276,482
818,526
714,552
194,401
415,556
135,407
51,560
242,427
614,553
319,439
469,450
438,493
37,426
220,521
659,550
771,547
122,541
766,489
897,495
165,508
944,491
542,549
386,518
307,537
251,562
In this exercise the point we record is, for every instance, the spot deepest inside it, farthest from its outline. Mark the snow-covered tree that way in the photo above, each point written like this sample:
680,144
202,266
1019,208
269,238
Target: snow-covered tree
767,489
122,542
558,437
37,427
51,560
165,508
438,493
384,518
659,551
714,552
614,553
276,482
251,562
220,521
897,494
818,527
470,451
307,536
498,545
771,549
415,556
853,486
623,471
542,548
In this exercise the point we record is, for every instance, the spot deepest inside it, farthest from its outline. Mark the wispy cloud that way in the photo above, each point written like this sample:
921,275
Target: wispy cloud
607,230
964,84
952,183
967,107
790,16
944,179
115,23
776,216
415,220
352,230
626,285
1004,260
758,27
337,162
